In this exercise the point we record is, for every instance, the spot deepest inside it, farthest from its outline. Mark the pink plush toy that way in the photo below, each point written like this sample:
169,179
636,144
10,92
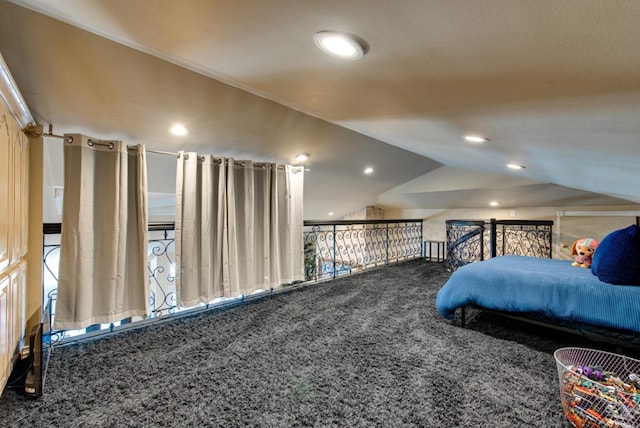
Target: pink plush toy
583,249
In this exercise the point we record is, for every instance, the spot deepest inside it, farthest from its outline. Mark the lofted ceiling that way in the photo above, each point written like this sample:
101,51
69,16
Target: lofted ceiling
553,84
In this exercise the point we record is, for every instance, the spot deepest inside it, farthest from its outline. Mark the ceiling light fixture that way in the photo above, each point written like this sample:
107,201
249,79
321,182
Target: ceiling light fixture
331,214
302,157
475,139
494,203
341,45
179,130
368,170
514,166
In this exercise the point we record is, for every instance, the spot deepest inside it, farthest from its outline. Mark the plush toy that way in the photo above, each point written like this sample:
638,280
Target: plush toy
583,249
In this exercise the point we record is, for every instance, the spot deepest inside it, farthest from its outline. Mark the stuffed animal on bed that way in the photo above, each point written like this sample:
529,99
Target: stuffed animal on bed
583,249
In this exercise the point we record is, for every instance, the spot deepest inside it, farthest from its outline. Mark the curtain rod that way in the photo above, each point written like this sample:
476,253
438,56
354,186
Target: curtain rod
160,152
32,133
218,160
107,143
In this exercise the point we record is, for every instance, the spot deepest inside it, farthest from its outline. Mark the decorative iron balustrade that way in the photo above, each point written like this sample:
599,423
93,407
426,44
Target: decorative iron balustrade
330,249
161,267
340,247
474,240
162,271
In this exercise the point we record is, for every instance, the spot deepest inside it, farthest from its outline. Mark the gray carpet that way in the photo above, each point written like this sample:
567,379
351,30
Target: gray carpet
360,351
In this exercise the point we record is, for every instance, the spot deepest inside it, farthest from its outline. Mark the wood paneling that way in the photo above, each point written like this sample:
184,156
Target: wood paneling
5,188
5,329
14,210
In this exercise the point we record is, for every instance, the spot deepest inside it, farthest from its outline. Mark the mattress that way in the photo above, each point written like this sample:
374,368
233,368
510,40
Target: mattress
550,287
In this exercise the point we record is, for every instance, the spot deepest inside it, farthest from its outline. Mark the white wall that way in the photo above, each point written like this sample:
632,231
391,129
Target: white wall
161,170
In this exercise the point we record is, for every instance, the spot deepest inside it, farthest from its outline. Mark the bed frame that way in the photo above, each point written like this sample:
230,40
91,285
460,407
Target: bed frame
616,337
476,240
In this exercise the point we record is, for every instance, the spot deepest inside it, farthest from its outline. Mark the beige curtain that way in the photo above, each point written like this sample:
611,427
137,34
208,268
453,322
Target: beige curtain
103,248
238,227
200,228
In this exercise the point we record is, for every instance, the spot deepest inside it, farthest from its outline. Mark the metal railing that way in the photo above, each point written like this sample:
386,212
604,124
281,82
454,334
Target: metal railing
474,240
330,249
161,275
339,247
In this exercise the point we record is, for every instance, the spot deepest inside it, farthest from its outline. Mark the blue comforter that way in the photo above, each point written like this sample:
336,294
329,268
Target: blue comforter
551,287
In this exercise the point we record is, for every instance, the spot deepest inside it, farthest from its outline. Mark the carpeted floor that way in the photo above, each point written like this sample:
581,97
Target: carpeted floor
364,350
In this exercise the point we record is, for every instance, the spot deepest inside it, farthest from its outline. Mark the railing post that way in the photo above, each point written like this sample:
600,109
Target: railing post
482,228
492,237
421,242
386,262
334,251
42,302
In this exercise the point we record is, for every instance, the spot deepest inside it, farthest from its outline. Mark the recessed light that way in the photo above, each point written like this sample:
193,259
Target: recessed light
179,130
368,170
494,203
302,157
475,139
341,45
514,166
331,213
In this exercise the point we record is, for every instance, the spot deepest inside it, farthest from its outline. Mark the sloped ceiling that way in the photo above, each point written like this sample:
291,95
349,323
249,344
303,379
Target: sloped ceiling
554,85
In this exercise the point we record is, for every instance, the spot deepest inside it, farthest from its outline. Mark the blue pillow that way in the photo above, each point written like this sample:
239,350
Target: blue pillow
617,259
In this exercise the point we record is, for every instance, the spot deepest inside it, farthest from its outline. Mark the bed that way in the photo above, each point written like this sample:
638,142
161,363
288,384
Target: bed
547,291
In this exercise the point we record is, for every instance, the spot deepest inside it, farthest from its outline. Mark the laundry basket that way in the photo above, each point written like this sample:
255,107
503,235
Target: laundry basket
599,389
